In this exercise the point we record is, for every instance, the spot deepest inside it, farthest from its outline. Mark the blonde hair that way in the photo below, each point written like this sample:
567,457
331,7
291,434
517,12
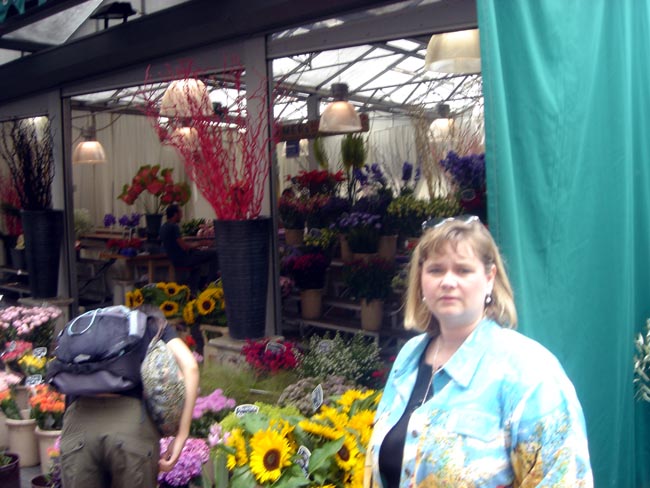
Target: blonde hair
502,308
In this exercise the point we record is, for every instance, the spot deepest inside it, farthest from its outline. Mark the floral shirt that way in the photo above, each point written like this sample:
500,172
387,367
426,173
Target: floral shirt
503,414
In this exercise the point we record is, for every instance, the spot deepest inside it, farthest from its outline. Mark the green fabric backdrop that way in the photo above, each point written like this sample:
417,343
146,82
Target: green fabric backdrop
567,111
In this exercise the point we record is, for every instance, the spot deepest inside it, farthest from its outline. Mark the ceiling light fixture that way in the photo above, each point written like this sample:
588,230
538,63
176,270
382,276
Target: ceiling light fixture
340,115
89,150
454,53
186,98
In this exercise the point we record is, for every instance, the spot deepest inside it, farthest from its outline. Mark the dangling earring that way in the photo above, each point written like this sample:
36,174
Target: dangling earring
488,299
424,299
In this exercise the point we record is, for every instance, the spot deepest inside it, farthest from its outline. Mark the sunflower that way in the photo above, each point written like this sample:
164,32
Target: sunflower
138,298
171,289
346,456
188,313
162,285
236,440
184,289
319,430
128,299
270,453
331,416
205,305
361,422
351,396
169,308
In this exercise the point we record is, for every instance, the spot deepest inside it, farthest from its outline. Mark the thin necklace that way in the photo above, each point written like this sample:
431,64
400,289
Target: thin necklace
433,371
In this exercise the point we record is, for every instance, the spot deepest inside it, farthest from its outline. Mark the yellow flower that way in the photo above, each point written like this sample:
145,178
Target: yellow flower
320,430
205,305
169,308
128,299
351,396
188,313
346,457
138,298
236,440
162,285
171,289
270,453
361,423
184,289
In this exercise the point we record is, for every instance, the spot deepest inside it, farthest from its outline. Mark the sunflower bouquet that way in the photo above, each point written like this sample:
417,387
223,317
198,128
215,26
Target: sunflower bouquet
280,447
170,297
209,307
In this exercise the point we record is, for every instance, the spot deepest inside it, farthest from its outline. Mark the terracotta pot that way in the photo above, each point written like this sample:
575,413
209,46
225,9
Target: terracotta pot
311,302
388,248
10,473
46,439
22,441
372,314
294,237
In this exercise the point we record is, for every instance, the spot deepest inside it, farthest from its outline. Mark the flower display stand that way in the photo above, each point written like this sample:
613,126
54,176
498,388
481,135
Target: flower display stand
372,314
22,441
311,303
46,440
10,473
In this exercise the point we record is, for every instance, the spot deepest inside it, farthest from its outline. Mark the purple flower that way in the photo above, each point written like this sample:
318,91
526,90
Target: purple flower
467,171
195,453
109,219
214,402
124,220
407,171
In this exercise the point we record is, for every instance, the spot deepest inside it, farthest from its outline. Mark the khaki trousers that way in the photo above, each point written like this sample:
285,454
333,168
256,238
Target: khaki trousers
109,443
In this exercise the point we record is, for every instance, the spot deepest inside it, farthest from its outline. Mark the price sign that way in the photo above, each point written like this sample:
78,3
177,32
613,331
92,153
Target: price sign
39,352
325,346
303,459
317,397
246,408
33,380
275,347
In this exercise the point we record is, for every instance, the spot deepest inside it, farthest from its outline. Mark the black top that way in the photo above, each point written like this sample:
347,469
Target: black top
392,448
170,232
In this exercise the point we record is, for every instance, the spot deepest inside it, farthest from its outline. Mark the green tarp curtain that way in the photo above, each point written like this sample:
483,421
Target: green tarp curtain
567,115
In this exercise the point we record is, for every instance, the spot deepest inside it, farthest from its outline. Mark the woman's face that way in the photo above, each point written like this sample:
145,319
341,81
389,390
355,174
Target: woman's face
455,284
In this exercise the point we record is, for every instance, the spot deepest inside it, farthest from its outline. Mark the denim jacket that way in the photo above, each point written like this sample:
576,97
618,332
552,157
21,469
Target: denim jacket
503,414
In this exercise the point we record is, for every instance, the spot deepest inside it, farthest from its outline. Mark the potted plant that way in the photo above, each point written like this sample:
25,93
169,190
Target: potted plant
9,470
28,149
292,214
308,273
361,231
468,176
370,281
157,191
229,166
47,406
31,324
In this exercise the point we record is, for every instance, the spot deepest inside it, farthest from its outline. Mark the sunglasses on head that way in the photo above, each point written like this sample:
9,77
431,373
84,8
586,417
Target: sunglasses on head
434,223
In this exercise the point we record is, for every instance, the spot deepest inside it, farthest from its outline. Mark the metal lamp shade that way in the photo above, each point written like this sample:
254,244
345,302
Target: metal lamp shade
340,116
89,152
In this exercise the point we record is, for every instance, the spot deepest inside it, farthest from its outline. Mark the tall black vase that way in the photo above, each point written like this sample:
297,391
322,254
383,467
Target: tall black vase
43,231
153,222
243,247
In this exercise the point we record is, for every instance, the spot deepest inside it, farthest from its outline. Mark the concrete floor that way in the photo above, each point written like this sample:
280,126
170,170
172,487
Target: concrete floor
26,475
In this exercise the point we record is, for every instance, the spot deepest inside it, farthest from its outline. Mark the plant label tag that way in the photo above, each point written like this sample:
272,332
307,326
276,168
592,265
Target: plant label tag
325,346
275,347
246,408
39,352
33,380
303,459
11,347
317,397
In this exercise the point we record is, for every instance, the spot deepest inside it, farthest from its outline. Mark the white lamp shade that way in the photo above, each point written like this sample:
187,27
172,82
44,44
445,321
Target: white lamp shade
88,152
340,116
185,137
186,98
454,53
440,128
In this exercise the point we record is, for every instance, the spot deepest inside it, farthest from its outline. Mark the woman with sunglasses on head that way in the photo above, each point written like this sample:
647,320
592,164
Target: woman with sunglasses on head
470,402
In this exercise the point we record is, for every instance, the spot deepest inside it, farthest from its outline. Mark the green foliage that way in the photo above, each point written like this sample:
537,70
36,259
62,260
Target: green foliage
353,151
408,213
355,359
82,222
320,155
240,382
370,280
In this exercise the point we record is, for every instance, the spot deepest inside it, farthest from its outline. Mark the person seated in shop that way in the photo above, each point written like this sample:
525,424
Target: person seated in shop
203,263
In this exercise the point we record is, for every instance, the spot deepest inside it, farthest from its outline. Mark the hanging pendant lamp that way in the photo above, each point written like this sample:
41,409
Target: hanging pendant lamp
89,150
186,98
340,115
454,53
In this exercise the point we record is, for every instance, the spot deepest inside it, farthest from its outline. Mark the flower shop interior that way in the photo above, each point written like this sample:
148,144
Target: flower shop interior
226,114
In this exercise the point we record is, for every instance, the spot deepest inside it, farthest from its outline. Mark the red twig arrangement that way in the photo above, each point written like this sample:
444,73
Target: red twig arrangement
224,149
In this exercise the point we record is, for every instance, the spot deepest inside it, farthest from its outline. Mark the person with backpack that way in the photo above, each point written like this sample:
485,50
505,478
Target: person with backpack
109,438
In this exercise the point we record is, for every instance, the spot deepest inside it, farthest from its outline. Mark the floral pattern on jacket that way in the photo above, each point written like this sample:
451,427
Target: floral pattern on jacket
504,414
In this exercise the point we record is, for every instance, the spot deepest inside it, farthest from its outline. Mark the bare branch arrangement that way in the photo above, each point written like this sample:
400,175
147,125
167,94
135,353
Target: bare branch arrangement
27,147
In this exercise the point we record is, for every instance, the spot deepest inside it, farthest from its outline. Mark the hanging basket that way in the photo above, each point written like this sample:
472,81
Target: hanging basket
43,230
243,248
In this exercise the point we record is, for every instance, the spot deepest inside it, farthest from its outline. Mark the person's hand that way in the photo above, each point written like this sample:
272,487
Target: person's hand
170,456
